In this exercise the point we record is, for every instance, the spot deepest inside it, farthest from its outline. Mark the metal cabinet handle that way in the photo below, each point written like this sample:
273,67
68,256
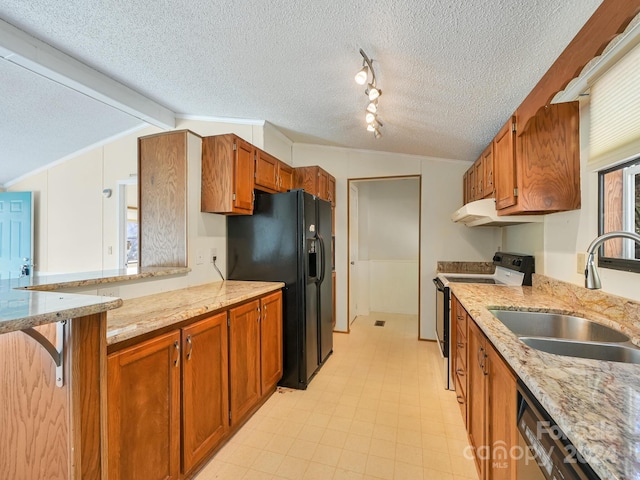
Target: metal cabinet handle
176,345
460,345
460,399
460,372
190,343
481,358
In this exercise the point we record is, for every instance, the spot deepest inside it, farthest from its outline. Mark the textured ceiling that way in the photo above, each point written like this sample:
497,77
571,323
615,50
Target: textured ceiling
451,72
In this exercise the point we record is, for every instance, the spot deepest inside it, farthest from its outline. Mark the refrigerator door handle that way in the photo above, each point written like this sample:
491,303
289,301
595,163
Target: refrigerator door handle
322,258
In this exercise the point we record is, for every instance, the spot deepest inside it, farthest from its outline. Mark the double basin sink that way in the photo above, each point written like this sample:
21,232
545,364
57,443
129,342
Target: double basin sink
568,335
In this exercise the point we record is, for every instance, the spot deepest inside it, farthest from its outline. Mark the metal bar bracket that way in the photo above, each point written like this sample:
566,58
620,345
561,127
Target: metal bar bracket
57,352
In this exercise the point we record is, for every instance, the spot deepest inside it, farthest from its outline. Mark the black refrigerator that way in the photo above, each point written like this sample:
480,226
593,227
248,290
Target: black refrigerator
288,239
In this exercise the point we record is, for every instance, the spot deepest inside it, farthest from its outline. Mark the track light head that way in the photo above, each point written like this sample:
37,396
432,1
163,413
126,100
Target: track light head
362,76
373,92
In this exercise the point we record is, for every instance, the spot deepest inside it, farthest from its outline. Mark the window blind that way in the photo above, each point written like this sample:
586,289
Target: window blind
615,112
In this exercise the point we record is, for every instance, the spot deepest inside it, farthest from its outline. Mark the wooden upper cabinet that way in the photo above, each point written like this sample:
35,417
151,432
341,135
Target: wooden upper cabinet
471,178
478,172
205,388
271,349
316,181
228,164
272,175
331,189
266,171
504,161
285,177
548,160
487,165
143,410
465,187
162,192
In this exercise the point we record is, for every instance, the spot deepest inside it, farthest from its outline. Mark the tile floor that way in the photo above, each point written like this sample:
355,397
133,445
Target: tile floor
376,410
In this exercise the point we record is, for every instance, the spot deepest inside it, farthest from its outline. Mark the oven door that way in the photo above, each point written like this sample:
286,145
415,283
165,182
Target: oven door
442,316
442,327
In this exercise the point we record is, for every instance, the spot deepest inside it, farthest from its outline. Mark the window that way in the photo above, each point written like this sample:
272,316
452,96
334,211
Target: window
619,207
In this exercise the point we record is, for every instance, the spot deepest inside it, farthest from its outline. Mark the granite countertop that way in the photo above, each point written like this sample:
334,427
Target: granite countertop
595,403
20,309
59,281
31,301
142,315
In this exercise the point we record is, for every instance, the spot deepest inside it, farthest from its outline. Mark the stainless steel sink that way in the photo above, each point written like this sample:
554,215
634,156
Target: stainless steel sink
570,336
612,352
553,325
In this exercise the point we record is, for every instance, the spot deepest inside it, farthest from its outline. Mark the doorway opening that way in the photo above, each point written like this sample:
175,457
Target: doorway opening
384,247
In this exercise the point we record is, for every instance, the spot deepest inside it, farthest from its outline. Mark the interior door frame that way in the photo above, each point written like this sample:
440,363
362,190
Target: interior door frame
392,177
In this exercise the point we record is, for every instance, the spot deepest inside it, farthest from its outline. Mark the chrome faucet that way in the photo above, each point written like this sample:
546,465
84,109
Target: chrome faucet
591,277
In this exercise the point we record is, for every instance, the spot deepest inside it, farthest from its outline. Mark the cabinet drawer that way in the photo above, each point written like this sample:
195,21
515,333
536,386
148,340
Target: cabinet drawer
460,321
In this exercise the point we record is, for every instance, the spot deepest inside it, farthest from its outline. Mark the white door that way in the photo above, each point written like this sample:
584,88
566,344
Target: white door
353,252
16,247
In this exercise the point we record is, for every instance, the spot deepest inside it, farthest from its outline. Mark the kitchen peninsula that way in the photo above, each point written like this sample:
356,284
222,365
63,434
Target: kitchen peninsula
54,420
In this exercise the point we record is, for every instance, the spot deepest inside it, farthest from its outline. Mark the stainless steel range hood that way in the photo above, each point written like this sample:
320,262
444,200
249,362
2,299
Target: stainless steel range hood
483,213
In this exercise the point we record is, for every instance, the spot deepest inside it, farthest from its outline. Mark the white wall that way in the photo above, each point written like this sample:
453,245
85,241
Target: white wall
568,233
389,222
441,239
76,226
528,239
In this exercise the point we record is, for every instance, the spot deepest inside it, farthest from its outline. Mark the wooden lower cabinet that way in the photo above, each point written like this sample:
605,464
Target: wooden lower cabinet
491,401
143,410
270,341
476,397
244,359
217,370
205,388
502,400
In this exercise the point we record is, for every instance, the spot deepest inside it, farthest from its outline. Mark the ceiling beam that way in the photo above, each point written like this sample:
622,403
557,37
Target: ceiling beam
28,52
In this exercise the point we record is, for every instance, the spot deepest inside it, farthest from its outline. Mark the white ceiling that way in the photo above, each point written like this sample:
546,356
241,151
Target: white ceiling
451,72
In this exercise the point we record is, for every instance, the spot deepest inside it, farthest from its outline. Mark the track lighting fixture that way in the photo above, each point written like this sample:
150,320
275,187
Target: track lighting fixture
372,92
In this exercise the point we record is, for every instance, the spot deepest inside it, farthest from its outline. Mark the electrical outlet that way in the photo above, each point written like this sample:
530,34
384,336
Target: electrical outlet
580,263
213,252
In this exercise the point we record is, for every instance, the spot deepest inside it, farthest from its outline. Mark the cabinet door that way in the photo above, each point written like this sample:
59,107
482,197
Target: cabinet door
205,388
331,189
243,175
285,177
476,393
227,175
143,410
270,341
504,160
502,432
266,174
471,178
465,180
162,191
487,163
478,171
244,359
323,184
307,179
